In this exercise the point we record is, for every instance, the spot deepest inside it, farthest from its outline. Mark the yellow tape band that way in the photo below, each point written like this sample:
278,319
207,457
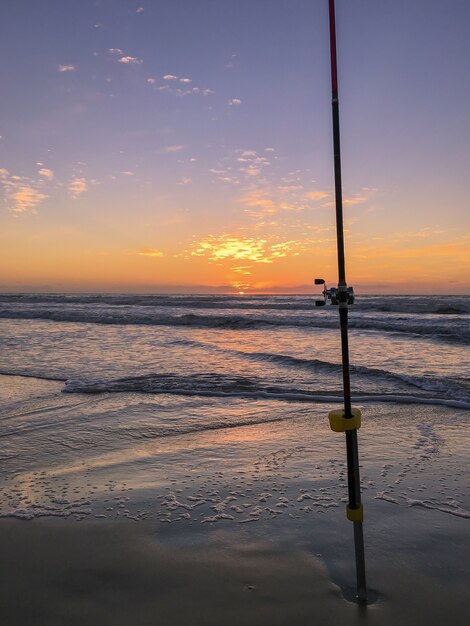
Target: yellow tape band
340,424
355,515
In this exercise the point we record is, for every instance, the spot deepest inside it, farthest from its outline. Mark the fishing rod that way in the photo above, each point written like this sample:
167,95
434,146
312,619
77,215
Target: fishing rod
346,420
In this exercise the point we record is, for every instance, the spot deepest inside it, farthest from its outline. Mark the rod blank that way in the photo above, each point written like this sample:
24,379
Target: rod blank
352,453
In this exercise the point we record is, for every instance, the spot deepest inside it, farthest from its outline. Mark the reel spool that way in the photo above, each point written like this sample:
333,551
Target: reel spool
335,295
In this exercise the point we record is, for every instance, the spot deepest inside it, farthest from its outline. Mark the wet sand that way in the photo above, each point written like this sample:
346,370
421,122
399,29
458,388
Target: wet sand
56,572
154,531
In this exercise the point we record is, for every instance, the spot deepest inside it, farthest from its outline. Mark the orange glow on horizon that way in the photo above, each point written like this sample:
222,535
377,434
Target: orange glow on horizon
66,259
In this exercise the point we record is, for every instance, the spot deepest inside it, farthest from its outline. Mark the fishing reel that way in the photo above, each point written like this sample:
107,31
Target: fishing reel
335,295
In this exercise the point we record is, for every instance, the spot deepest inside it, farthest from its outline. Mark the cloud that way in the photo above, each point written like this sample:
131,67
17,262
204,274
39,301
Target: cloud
224,175
171,149
259,202
227,247
26,198
130,61
49,174
251,170
242,269
230,247
20,193
316,195
231,62
184,181
153,252
355,200
66,68
358,198
77,186
140,10
171,87
128,173
115,51
253,163
234,102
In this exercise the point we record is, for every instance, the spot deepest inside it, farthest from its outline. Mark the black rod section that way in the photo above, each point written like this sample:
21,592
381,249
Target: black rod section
354,487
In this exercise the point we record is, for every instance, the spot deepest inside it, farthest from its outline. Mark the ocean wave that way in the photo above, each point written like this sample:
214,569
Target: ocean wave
455,389
224,385
38,375
437,305
418,326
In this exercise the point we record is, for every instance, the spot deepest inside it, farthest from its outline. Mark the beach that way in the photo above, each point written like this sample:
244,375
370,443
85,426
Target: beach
244,525
130,494
230,230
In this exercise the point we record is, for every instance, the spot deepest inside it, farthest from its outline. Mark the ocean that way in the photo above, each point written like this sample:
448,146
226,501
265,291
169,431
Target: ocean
414,349
109,393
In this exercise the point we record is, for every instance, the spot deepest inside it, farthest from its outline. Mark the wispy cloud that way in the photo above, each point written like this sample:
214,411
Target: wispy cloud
259,202
234,102
66,68
20,192
130,60
231,63
184,181
316,195
152,252
362,197
77,186
170,86
172,149
46,173
26,198
115,51
242,269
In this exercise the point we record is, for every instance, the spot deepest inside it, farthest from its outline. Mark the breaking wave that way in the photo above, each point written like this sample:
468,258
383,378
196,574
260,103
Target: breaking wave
438,305
427,326
225,385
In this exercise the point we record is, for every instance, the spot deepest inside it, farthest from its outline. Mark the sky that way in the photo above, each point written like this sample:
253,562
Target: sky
185,146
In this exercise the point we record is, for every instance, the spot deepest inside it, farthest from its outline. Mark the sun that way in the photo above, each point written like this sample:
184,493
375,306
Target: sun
241,293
